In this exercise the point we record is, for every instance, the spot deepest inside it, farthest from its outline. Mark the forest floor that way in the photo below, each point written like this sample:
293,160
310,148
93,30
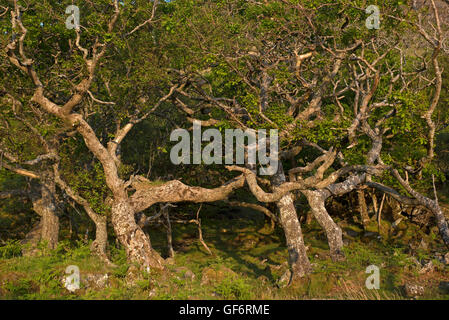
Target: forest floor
248,262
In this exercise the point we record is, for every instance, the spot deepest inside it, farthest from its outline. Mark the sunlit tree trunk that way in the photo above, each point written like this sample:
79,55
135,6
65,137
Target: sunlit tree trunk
131,236
333,231
298,260
45,206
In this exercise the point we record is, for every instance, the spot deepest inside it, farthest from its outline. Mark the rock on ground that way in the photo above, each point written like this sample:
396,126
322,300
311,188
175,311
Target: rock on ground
212,276
185,273
95,281
413,290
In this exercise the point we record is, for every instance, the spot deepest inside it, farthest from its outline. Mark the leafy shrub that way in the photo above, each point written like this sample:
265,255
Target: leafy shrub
120,271
118,255
11,249
18,288
80,251
50,284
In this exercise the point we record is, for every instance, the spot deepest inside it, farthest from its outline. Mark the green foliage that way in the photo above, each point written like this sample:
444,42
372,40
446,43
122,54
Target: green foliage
19,288
41,277
12,248
234,288
77,251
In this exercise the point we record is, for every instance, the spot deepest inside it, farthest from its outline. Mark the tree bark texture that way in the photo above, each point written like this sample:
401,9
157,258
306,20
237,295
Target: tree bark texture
298,260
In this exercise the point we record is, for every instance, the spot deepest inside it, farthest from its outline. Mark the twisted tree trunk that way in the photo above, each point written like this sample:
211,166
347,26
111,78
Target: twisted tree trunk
100,243
131,236
317,199
298,260
50,219
45,206
333,231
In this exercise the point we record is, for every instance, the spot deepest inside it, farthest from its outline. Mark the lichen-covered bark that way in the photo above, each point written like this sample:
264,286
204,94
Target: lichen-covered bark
100,243
131,236
50,227
316,201
44,204
173,191
298,260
